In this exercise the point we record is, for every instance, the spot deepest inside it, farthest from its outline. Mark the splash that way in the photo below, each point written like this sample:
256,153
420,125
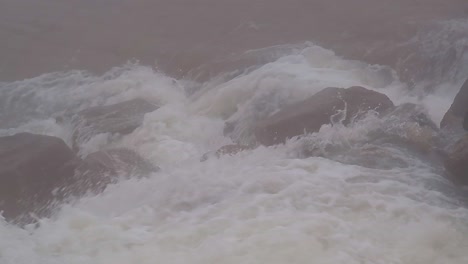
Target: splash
267,205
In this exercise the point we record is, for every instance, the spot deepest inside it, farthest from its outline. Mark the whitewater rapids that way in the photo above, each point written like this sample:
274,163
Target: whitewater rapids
266,205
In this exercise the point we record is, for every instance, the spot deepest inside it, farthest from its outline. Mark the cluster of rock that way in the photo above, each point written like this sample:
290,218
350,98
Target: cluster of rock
418,134
38,170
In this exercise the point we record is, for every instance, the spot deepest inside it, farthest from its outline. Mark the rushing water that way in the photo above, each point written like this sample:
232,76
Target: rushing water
266,205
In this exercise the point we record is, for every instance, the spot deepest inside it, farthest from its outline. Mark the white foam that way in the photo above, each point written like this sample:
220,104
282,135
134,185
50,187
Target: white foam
258,206
255,208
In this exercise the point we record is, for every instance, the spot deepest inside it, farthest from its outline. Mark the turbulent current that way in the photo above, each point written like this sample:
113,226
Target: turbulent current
265,205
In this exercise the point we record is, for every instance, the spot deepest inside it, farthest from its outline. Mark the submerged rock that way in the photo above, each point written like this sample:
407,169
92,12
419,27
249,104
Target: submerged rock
103,167
465,122
456,162
409,126
33,169
455,116
401,134
122,118
365,155
331,105
410,112
225,150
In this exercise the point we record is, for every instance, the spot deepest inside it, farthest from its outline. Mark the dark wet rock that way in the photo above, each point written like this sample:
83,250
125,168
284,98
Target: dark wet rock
122,118
454,118
331,105
106,166
456,162
33,169
225,150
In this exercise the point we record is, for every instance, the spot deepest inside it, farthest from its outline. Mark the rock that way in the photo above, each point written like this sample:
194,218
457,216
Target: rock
229,127
465,122
330,105
365,155
225,150
103,167
454,118
409,112
122,118
32,169
408,125
406,131
231,149
456,162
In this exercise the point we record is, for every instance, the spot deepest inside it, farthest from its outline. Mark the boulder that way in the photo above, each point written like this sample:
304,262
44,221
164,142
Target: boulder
122,118
106,166
454,118
456,162
331,105
32,169
225,150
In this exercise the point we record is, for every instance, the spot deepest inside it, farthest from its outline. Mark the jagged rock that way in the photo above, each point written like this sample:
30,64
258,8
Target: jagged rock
454,118
33,169
103,167
122,118
456,162
330,105
225,150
